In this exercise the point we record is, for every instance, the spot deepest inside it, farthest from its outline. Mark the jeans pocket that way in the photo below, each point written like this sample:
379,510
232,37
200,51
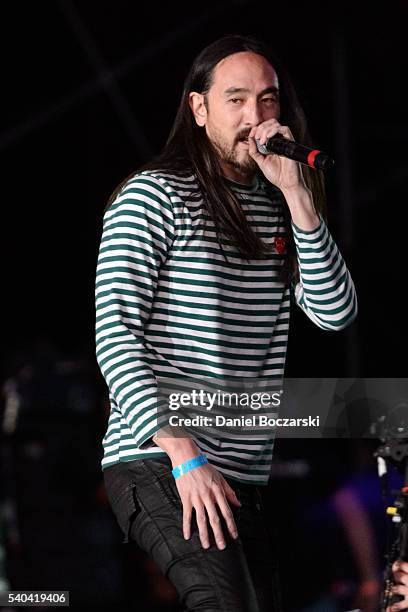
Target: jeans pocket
168,488
163,479
123,500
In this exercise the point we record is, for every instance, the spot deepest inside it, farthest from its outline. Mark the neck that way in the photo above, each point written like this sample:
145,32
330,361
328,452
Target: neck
238,176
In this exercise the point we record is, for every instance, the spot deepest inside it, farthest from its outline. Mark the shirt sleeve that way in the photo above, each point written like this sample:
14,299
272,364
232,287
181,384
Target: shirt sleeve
138,231
325,291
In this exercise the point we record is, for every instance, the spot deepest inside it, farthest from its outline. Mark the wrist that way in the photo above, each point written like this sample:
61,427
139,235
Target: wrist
179,450
181,455
189,465
300,203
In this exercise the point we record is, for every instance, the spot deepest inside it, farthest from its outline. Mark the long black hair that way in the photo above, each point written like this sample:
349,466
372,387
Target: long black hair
188,150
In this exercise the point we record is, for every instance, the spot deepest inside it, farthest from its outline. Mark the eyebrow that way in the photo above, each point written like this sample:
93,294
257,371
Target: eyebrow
232,90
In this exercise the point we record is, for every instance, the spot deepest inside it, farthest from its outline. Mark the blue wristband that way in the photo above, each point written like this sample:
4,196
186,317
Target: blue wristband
181,469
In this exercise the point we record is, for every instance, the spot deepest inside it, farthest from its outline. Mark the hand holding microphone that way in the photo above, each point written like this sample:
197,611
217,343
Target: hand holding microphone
282,169
293,150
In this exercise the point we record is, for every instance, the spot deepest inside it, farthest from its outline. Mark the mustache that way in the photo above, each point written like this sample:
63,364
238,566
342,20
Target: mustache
242,135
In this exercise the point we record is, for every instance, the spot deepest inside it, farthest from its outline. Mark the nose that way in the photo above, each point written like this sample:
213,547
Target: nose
252,113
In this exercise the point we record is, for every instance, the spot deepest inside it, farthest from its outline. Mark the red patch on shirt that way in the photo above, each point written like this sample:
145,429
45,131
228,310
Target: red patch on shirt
280,245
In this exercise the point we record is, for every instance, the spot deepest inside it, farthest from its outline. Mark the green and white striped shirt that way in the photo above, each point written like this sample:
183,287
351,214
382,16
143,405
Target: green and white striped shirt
168,305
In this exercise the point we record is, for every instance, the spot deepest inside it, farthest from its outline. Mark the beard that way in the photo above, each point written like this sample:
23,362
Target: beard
238,159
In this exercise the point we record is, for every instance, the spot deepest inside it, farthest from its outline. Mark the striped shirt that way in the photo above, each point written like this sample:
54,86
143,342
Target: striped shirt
168,305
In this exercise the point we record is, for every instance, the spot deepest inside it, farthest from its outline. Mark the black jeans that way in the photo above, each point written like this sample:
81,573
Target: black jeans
241,578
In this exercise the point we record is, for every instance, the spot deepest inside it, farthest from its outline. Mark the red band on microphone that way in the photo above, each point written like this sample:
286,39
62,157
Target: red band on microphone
311,157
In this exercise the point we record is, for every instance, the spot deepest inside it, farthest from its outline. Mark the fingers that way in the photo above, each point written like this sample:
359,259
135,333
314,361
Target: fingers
208,493
187,512
215,523
202,526
231,495
401,578
399,589
208,508
400,570
228,516
220,492
400,566
253,150
267,129
401,605
201,519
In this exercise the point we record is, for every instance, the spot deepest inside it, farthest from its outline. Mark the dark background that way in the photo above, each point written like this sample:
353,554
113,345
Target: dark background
89,92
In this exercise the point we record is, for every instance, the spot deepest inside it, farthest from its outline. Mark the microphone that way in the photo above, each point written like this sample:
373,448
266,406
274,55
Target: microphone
293,150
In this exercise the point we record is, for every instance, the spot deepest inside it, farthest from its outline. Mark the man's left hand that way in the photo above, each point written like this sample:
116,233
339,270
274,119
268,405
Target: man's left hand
284,173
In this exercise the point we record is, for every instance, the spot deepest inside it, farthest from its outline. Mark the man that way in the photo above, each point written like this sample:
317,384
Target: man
200,254
400,571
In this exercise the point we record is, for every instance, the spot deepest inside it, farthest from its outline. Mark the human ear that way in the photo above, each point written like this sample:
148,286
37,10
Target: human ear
197,105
